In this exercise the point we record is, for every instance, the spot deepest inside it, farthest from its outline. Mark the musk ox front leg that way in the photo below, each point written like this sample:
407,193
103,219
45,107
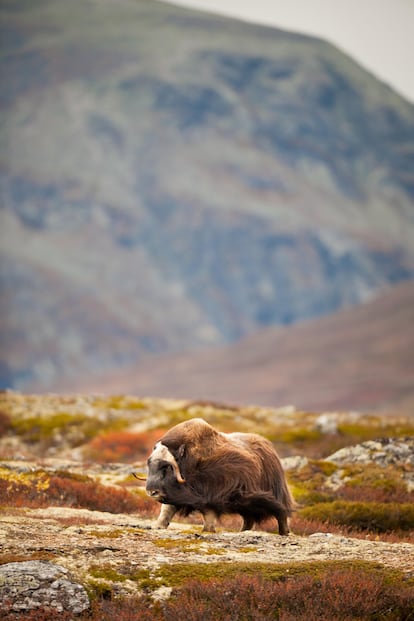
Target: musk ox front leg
166,515
168,511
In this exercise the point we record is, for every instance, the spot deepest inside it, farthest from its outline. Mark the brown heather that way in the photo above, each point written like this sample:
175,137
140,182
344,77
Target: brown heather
339,595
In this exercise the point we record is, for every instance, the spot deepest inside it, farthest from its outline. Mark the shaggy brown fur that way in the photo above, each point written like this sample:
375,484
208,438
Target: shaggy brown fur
223,473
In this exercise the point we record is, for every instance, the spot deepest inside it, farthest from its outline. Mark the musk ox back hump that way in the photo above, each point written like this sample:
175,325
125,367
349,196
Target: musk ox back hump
195,434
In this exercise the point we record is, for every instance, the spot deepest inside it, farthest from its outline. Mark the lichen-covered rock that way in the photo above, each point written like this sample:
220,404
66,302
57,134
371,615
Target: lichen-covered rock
382,452
28,585
295,462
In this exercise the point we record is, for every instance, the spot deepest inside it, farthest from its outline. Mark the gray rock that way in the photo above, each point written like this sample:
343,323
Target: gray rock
295,462
382,452
29,585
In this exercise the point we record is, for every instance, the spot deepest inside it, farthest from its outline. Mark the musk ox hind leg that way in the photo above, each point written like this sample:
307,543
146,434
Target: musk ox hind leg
166,515
282,521
260,506
248,523
210,518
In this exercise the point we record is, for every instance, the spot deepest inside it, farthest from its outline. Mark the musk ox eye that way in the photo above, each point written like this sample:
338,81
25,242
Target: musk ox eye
164,468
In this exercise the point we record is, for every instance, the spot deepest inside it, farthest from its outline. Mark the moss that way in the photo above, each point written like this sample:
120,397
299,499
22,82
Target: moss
76,428
357,482
19,480
312,475
299,436
308,483
305,497
325,467
370,516
119,402
73,476
211,551
178,574
140,575
178,416
106,534
375,476
98,589
372,428
200,546
106,572
100,580
36,428
171,544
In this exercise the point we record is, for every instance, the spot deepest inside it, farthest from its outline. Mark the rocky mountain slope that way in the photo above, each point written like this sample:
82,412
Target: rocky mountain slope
359,358
171,179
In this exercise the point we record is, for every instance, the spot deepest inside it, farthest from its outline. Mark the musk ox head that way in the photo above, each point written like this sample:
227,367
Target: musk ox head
164,475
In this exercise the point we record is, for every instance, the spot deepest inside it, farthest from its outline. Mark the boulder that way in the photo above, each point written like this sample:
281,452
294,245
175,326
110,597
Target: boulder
29,585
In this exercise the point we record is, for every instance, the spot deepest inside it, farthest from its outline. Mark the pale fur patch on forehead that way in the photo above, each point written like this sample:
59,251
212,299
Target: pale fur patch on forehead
162,452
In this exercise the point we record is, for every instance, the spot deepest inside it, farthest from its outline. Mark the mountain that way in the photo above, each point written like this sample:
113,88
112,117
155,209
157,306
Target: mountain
172,180
357,358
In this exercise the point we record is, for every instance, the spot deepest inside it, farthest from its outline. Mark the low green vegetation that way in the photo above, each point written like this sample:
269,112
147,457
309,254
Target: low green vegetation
103,578
199,546
374,517
73,429
106,572
178,574
46,422
334,591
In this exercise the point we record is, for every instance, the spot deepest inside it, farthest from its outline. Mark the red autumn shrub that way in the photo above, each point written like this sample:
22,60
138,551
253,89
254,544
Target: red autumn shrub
339,595
90,495
303,526
38,614
130,609
66,489
399,494
122,446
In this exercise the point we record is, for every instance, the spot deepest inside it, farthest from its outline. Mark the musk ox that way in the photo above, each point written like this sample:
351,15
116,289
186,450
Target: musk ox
194,467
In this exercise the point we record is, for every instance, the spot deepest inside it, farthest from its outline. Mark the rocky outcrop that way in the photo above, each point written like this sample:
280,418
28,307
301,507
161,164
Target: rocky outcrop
382,452
30,585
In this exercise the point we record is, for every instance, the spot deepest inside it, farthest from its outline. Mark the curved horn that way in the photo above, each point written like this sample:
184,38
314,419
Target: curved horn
177,472
162,452
138,477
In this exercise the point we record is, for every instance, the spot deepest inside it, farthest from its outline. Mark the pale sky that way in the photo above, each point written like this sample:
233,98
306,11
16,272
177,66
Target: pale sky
379,34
